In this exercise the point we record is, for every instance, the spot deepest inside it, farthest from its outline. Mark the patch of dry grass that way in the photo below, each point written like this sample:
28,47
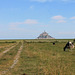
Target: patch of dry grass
45,59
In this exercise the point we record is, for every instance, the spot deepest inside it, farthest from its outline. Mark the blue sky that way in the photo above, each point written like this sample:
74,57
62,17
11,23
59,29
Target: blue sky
26,19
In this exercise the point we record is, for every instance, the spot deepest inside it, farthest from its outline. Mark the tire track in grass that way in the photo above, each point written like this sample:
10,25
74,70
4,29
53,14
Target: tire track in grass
15,61
1,54
6,47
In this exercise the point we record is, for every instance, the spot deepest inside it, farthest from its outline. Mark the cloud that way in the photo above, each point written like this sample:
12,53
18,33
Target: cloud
61,21
58,17
28,21
42,0
15,25
72,17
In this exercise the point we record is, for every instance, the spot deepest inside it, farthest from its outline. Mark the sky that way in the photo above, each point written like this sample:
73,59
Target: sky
27,19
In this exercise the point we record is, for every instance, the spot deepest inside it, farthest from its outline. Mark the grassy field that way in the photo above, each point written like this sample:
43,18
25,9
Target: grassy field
39,57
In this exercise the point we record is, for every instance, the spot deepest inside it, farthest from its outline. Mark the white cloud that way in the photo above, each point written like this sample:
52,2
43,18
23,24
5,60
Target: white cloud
61,21
58,17
28,21
42,0
72,17
14,26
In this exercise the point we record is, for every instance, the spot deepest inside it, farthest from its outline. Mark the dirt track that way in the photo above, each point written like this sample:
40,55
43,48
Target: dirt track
1,54
15,61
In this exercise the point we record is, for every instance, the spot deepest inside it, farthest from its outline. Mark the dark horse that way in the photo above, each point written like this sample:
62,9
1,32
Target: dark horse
69,45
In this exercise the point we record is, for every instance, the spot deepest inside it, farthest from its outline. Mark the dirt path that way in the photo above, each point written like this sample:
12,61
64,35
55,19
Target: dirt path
15,61
1,54
6,46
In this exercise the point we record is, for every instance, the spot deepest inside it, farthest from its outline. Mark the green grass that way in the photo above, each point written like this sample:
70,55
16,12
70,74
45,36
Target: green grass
7,59
45,59
5,46
41,57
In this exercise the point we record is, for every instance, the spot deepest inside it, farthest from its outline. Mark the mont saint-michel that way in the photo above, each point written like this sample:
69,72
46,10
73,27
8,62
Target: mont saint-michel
45,35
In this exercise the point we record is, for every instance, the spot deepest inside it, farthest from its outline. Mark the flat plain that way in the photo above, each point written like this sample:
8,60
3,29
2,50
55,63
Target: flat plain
36,57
